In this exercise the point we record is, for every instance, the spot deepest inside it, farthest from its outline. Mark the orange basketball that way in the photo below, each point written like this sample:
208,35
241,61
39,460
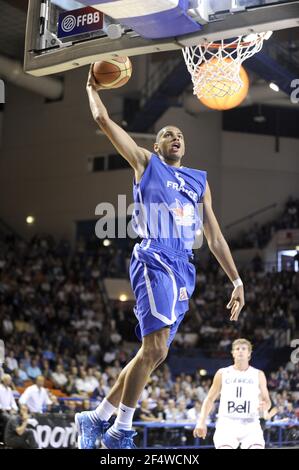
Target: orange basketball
112,73
219,87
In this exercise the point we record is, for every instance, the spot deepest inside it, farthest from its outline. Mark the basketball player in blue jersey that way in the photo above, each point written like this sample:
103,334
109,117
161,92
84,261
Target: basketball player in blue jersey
162,276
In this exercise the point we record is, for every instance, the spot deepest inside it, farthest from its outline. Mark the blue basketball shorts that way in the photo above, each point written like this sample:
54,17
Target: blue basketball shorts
163,281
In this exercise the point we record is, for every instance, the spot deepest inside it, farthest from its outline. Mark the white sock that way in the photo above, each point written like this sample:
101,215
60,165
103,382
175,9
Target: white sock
104,411
124,418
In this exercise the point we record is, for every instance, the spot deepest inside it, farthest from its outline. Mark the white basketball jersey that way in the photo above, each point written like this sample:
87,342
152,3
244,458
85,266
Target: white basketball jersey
239,393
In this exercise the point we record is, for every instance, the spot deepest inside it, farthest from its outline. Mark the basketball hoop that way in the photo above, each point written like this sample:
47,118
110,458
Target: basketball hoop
215,66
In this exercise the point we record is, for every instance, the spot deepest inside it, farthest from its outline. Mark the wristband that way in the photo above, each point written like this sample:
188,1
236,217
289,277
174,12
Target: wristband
237,282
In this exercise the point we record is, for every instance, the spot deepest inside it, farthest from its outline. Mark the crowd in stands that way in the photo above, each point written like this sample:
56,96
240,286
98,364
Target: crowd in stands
166,398
52,308
259,235
272,305
58,334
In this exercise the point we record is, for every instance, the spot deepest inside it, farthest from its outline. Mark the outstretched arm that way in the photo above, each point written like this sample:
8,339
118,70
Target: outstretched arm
201,427
137,157
221,251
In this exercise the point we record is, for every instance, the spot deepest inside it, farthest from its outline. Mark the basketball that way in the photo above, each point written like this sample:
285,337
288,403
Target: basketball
223,94
112,73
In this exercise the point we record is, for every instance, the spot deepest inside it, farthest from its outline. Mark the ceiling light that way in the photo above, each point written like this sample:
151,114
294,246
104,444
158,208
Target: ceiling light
274,87
30,220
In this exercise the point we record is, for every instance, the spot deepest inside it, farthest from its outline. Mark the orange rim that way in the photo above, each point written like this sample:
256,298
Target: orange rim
233,45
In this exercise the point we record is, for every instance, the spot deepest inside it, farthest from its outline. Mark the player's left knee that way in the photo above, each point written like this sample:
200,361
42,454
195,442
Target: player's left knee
155,347
256,446
154,354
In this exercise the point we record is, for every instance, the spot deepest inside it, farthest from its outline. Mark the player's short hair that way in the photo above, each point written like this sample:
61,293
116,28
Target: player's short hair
158,136
242,341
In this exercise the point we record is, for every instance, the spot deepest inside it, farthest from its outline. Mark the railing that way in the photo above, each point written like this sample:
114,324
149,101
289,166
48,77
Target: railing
281,434
252,215
284,433
157,435
172,433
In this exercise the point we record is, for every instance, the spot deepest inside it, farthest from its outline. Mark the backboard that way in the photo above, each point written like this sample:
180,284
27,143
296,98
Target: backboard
64,34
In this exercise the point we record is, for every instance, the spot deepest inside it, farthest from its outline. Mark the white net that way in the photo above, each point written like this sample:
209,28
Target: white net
215,66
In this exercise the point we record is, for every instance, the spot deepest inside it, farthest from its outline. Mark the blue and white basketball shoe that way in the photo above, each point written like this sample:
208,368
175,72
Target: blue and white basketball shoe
89,430
119,439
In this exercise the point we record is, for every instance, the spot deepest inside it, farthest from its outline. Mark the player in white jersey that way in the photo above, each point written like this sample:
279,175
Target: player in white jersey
243,397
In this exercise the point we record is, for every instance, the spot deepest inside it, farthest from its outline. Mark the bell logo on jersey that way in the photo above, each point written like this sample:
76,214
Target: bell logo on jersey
241,408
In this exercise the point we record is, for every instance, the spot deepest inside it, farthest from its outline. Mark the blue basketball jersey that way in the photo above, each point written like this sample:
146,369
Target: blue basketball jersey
167,204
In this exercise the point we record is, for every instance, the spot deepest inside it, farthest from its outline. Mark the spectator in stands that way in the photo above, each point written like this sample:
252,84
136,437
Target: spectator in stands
273,381
33,370
49,354
36,397
280,415
182,414
86,405
171,411
200,392
284,383
194,413
46,369
7,401
294,380
26,361
70,406
70,387
56,406
82,383
159,410
100,391
59,378
8,404
144,413
17,432
167,378
15,378
11,362
91,381
290,412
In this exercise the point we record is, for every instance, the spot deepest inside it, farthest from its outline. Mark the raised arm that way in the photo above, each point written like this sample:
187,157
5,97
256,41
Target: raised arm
201,427
221,251
137,157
